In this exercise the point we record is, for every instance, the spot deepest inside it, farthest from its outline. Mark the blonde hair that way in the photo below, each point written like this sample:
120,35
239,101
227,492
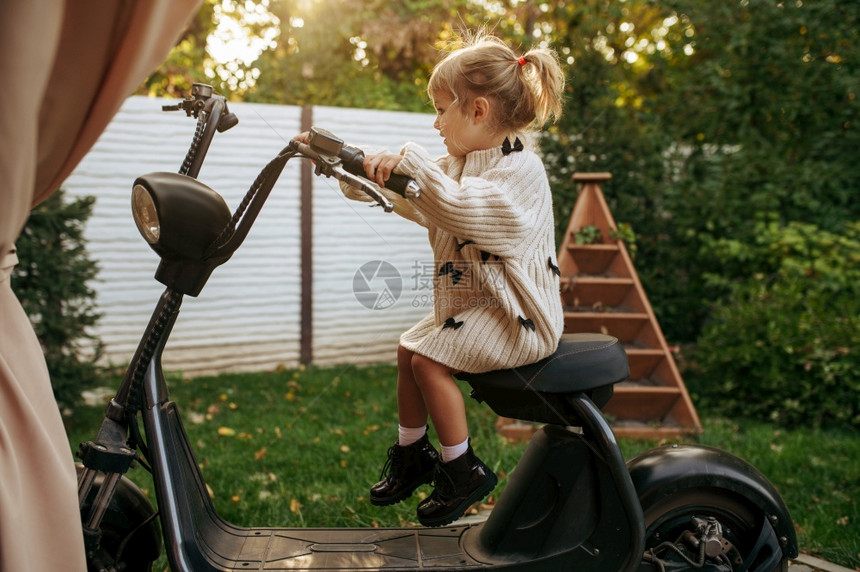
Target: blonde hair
527,90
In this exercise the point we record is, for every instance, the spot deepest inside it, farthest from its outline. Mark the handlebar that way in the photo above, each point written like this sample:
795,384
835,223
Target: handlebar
332,157
210,110
352,160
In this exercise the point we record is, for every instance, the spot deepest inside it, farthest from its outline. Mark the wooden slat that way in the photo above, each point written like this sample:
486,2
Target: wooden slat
642,403
594,292
624,326
640,430
592,258
643,361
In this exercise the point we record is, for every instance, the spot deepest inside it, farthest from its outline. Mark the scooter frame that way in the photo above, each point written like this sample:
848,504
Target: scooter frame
572,502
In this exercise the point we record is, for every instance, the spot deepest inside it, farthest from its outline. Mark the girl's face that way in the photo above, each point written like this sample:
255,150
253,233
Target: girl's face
463,132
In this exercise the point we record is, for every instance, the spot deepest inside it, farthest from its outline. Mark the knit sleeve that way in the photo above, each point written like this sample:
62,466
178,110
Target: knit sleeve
495,203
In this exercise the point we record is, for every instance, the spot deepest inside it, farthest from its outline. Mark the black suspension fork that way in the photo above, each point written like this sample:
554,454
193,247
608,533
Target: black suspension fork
114,449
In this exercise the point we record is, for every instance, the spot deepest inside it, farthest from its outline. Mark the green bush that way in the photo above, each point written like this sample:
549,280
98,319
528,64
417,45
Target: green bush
51,280
782,346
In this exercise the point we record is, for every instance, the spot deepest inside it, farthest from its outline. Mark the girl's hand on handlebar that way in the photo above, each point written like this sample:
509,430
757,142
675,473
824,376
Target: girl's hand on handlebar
379,167
304,137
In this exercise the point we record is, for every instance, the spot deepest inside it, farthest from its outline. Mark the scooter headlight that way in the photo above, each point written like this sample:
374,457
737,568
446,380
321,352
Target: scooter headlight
145,214
177,215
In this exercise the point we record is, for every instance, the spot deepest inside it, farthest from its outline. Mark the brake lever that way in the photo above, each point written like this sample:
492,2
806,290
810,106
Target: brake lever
332,167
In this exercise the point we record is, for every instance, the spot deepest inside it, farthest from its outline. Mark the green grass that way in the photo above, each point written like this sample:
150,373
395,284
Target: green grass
301,448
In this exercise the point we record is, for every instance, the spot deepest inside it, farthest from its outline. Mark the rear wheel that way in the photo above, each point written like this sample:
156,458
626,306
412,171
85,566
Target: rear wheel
726,527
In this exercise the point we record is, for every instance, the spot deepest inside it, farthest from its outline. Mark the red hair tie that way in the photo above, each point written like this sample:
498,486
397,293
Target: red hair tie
522,61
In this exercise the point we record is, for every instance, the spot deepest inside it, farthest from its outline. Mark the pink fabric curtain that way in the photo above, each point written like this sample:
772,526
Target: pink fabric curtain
67,66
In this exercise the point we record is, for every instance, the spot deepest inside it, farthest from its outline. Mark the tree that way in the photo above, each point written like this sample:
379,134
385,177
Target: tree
617,55
188,60
51,281
711,116
374,55
781,346
761,112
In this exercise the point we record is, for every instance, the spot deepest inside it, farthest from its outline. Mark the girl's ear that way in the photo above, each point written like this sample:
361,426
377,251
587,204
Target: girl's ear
480,109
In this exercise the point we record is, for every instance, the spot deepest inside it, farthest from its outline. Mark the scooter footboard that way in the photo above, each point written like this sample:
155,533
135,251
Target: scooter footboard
197,539
570,504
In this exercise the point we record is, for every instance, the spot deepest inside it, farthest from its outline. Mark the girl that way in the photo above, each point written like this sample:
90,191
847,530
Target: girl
488,211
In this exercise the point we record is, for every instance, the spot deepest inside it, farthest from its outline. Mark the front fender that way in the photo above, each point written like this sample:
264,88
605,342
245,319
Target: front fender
128,528
665,471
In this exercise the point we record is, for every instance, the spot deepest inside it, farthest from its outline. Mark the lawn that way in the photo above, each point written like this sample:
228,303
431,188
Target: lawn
302,447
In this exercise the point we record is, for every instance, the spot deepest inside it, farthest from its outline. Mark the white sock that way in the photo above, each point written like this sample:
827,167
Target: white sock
408,435
454,451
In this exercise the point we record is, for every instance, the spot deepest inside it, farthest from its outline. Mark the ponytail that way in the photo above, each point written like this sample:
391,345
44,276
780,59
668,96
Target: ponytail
527,90
546,79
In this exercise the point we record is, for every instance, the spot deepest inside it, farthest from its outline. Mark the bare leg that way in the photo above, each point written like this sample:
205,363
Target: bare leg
412,461
442,399
411,411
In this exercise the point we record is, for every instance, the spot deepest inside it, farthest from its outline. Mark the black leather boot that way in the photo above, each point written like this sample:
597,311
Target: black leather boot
407,469
459,483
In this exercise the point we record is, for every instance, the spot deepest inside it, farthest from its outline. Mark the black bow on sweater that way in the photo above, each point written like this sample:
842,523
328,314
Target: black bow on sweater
448,268
506,146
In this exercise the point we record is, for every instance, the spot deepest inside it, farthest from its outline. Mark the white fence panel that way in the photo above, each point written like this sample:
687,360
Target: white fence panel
245,317
248,315
349,234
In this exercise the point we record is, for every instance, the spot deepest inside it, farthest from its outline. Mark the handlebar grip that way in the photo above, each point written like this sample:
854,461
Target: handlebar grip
353,162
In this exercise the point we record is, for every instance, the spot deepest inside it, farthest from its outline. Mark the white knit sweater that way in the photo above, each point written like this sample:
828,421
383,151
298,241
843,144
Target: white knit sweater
496,301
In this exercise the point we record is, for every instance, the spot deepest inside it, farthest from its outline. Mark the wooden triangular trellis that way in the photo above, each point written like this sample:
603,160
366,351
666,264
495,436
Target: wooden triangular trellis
601,292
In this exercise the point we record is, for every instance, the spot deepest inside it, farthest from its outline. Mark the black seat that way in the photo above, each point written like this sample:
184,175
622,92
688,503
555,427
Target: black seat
583,363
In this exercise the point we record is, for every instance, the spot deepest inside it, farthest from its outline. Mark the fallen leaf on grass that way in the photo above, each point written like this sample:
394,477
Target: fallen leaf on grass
226,431
295,506
371,429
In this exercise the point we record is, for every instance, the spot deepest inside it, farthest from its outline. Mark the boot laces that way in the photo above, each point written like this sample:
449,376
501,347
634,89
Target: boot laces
443,482
389,463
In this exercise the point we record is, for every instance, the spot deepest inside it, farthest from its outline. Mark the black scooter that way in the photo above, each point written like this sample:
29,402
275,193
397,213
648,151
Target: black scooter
571,504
